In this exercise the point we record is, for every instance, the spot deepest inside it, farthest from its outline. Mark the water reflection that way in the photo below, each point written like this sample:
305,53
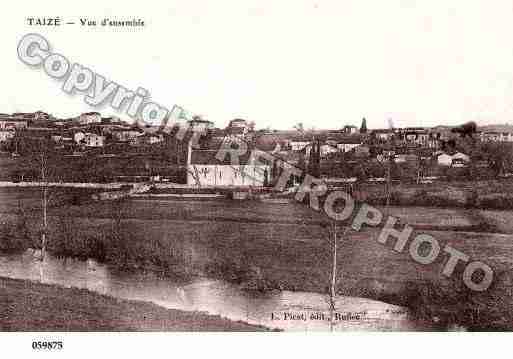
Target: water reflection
285,310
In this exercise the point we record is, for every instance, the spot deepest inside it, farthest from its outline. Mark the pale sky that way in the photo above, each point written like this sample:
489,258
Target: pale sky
323,63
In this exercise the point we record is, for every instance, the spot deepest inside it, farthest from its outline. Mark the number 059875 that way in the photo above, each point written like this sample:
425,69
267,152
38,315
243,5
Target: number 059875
46,345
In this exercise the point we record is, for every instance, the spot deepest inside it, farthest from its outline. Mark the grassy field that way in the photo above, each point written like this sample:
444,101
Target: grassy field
482,194
275,246
77,203
29,306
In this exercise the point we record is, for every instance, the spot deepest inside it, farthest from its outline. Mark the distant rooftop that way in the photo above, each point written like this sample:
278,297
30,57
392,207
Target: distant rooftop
208,157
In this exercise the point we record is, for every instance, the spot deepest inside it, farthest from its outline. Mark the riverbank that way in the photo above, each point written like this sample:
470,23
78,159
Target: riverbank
263,247
30,306
297,258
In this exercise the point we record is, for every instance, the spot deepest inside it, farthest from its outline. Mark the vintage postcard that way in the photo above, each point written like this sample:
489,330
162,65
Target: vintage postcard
256,166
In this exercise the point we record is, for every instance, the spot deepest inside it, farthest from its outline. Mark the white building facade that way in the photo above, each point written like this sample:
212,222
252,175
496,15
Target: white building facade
205,169
227,175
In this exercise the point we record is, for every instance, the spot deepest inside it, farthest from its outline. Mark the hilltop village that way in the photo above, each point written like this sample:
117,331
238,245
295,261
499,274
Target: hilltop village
92,148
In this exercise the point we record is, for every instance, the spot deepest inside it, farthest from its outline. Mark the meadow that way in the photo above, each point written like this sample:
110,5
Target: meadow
264,246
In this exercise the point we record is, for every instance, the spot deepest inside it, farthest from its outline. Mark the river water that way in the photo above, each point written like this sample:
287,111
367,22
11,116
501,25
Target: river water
292,311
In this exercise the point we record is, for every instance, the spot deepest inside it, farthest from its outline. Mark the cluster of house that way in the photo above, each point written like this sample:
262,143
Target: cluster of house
88,130
402,145
91,130
431,137
295,148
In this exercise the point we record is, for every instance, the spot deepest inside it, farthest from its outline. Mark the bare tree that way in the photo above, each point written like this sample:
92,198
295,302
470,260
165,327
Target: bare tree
37,152
335,277
44,200
195,175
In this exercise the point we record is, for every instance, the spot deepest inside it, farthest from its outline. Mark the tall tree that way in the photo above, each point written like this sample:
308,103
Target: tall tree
300,128
314,165
363,128
499,157
468,129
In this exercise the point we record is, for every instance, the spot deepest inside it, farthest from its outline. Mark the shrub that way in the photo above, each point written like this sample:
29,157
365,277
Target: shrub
15,237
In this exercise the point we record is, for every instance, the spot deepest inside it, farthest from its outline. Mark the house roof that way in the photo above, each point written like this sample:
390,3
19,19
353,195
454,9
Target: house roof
267,142
126,129
454,155
209,157
217,132
236,130
290,156
347,139
154,134
386,131
301,139
407,157
415,129
460,155
496,128
199,120
10,119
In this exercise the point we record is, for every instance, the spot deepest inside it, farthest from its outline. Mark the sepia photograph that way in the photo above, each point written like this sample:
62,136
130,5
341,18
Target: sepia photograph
309,166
